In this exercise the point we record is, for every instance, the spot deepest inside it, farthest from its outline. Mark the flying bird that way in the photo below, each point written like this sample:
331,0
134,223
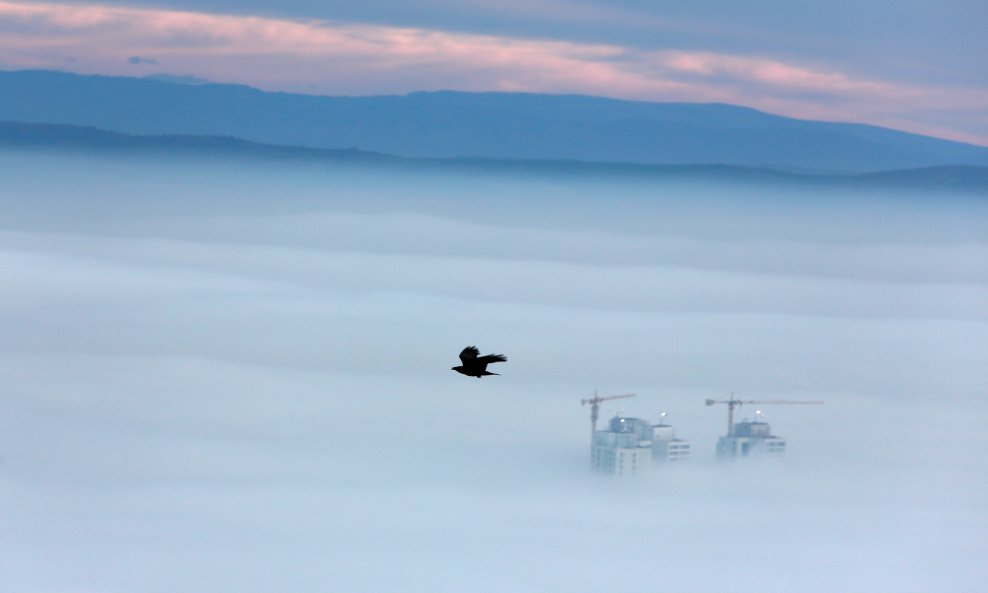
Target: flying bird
474,365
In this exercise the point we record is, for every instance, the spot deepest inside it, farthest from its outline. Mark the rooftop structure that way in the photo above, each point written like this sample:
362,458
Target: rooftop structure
595,402
665,446
750,436
629,446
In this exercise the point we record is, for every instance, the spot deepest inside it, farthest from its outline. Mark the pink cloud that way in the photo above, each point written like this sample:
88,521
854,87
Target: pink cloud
769,72
346,58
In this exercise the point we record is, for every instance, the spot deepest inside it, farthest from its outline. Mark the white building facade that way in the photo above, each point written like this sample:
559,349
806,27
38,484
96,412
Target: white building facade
630,446
750,437
666,447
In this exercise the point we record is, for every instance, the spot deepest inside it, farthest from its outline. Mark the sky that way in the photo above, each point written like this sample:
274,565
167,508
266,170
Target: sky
916,65
229,376
219,377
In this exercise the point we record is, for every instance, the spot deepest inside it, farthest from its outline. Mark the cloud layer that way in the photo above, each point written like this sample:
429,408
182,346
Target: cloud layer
322,56
233,378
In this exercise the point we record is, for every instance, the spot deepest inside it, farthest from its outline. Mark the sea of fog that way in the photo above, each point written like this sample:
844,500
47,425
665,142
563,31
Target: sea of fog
234,377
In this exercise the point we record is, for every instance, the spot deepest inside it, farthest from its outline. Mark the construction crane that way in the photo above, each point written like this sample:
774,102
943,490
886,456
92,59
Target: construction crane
735,402
595,406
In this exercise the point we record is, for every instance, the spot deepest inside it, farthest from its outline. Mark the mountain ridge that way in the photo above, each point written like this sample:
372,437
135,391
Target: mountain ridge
454,124
90,141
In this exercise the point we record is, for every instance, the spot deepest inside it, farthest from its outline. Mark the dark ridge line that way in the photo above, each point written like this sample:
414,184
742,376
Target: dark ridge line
96,141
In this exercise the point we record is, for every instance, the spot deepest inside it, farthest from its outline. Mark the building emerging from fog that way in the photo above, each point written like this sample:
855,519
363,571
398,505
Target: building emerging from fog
665,445
750,437
629,446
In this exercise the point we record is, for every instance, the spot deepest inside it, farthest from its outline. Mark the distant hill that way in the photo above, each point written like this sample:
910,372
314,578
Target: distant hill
478,125
961,178
91,141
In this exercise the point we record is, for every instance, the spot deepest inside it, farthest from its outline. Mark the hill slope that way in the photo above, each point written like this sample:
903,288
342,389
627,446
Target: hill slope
488,125
91,141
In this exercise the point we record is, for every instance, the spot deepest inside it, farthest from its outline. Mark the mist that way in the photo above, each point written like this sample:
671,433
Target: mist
226,376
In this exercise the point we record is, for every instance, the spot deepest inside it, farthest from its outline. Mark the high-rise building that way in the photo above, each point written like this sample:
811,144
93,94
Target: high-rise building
750,437
629,446
666,447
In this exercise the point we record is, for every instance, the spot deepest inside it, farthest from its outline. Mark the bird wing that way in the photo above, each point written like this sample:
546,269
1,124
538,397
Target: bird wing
492,358
469,355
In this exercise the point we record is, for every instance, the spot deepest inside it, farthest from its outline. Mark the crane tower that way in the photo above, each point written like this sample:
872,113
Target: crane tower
750,436
595,406
736,403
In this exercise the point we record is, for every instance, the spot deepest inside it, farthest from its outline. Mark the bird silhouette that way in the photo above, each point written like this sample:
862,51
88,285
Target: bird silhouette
474,365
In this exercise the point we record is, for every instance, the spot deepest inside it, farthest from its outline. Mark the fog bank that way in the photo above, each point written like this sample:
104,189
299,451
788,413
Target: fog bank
221,378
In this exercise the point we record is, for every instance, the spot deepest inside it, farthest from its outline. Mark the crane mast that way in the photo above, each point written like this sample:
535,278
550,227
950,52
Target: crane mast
734,403
595,406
